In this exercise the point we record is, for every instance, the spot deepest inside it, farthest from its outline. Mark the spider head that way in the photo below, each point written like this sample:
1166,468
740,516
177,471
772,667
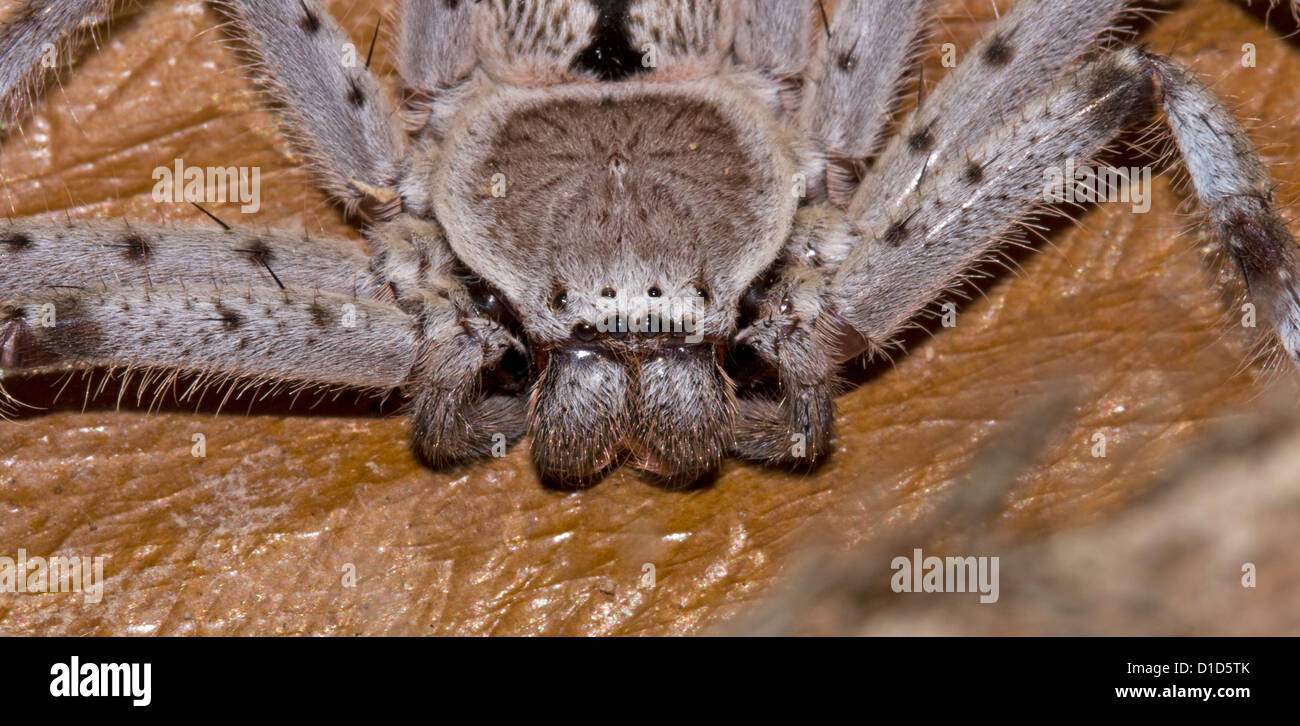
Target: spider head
623,222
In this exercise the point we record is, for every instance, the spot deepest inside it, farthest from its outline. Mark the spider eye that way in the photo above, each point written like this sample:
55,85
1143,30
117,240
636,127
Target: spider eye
701,291
654,291
751,303
560,300
608,292
487,302
584,331
786,305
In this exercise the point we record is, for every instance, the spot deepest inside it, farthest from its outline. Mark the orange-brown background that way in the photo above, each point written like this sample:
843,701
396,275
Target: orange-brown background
255,538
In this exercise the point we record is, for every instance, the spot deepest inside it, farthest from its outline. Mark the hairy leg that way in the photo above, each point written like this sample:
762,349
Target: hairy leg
776,38
965,209
436,53
786,333
687,38
36,256
253,333
1235,191
335,110
39,33
436,339
456,414
533,42
1025,52
856,79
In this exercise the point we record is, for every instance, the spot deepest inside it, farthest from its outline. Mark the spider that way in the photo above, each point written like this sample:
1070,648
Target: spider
641,231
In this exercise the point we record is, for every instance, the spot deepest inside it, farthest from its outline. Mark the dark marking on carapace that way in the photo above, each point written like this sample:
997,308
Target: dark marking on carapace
973,174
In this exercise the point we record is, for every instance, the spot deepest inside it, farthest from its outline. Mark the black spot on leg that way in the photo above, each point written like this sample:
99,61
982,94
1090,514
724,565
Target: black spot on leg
310,23
896,233
17,241
259,254
356,94
973,174
136,248
229,318
920,141
998,52
319,315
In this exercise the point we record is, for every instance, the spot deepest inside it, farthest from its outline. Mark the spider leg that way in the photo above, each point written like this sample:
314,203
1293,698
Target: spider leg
1235,190
253,333
776,37
533,42
787,334
1026,51
336,112
436,54
454,411
32,39
964,208
686,38
295,337
856,79
36,256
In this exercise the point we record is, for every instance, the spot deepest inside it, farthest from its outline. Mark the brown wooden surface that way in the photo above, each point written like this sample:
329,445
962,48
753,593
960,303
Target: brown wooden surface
255,538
